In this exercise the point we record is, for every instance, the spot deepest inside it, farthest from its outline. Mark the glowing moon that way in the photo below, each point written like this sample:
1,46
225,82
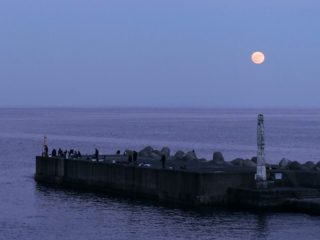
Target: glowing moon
257,57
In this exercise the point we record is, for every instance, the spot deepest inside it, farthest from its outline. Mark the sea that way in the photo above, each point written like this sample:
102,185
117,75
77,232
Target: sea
32,211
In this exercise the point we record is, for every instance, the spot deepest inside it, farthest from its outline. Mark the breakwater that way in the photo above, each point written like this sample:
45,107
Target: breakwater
198,187
186,187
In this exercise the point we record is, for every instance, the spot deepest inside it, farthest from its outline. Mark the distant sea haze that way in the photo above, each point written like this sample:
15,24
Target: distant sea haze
292,134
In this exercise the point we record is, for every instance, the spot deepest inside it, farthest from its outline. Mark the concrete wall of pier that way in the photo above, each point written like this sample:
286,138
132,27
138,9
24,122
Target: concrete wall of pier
306,179
177,186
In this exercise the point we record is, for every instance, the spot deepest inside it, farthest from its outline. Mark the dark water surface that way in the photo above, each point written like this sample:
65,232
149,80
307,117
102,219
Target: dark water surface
31,211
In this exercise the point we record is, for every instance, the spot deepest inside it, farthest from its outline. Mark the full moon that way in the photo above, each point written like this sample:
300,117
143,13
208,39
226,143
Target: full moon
257,57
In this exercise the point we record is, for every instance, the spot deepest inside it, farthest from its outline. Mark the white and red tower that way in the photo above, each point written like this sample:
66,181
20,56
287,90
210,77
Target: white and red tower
261,174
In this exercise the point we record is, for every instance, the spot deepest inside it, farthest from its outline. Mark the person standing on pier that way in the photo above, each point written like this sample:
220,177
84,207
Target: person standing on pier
79,154
129,158
60,152
45,151
163,161
135,157
54,153
97,154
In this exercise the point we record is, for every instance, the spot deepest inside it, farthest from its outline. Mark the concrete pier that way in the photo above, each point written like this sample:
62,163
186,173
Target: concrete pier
192,187
177,186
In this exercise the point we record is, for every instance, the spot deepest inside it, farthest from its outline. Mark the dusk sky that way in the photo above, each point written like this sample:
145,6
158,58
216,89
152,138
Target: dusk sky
166,53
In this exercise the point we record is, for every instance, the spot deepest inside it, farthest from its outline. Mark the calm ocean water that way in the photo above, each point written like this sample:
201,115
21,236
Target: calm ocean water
31,211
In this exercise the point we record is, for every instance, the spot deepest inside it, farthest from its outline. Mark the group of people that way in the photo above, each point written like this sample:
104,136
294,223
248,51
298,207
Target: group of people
132,156
66,154
60,153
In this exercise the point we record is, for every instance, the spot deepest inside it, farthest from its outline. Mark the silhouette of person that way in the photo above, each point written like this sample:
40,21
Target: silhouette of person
129,158
163,161
135,157
60,153
97,154
54,152
46,150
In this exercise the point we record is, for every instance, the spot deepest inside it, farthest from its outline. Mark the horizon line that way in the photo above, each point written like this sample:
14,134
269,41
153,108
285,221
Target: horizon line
157,107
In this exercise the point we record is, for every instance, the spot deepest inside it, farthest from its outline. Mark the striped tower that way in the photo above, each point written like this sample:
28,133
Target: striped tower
261,175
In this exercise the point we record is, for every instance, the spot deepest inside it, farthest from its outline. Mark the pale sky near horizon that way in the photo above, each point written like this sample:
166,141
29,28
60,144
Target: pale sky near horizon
164,53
